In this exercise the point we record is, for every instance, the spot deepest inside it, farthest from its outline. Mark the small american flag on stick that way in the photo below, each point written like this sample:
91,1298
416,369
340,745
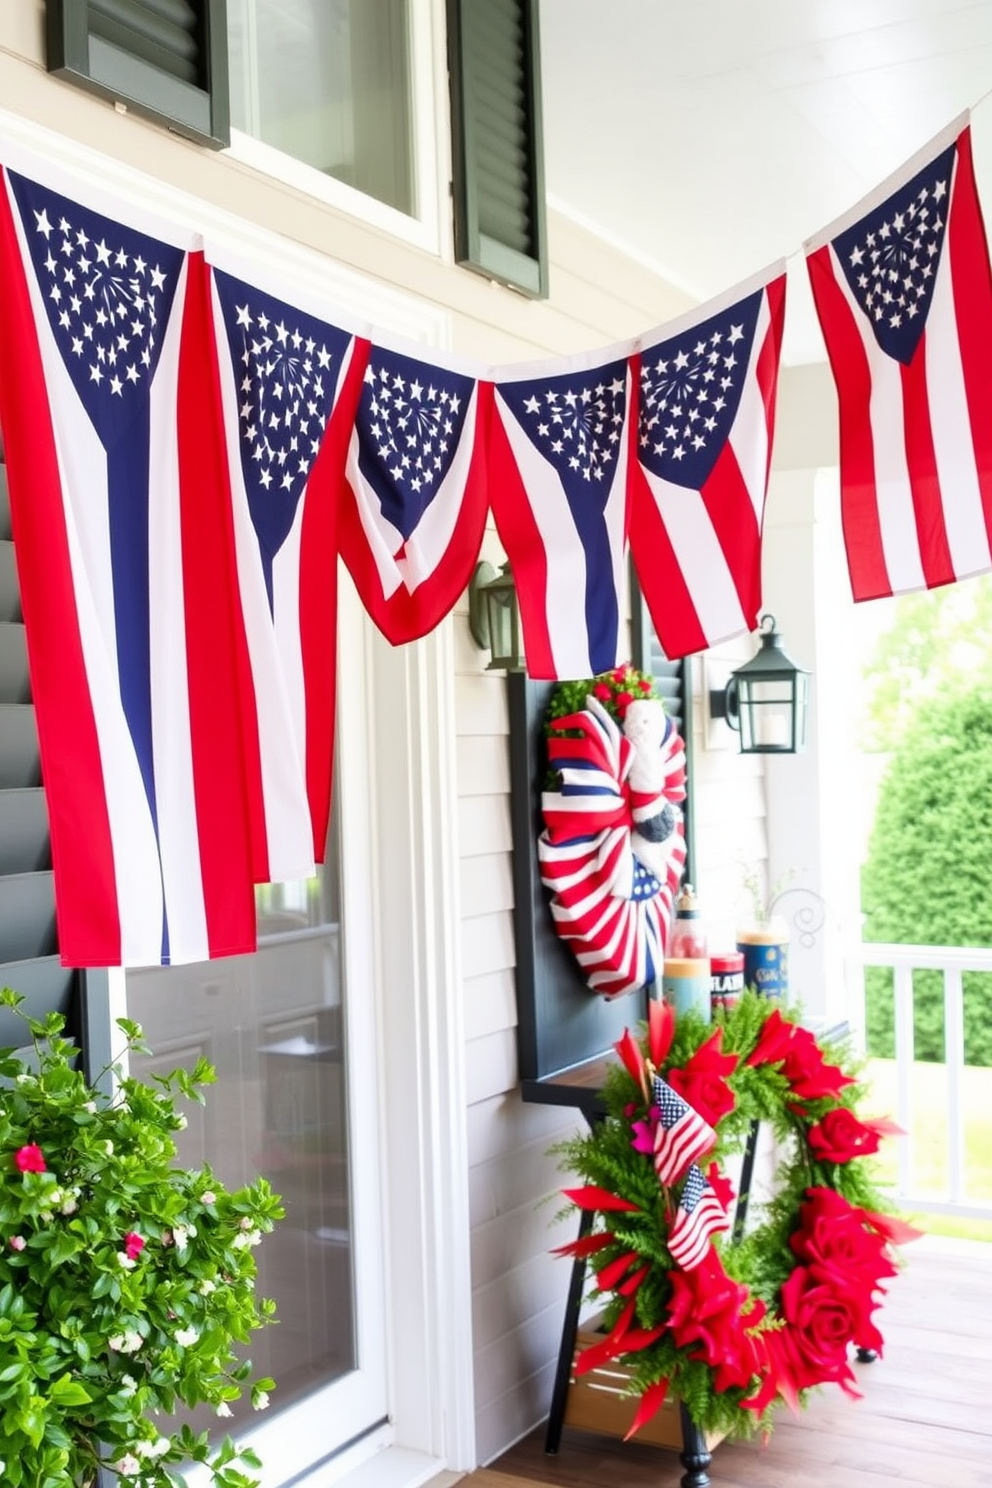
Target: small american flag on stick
699,1215
681,1136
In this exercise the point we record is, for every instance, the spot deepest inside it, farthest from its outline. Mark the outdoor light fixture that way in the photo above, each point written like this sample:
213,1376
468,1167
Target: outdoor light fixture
494,618
767,699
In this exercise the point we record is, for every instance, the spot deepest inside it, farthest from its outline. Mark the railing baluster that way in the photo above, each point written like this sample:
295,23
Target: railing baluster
903,989
954,1065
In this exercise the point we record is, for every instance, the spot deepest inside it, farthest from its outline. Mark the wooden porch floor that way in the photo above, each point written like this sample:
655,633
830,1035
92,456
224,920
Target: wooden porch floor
926,1416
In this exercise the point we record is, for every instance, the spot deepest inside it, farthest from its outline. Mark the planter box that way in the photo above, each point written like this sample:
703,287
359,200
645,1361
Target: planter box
597,1402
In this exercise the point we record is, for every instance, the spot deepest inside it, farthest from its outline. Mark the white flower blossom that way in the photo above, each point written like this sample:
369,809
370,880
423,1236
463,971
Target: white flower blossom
208,1196
126,1261
46,1216
69,1204
244,1238
24,1079
186,1337
125,1343
223,1409
246,1223
181,1123
153,1449
17,1242
128,1384
108,1148
180,1236
206,1287
127,1465
90,1106
260,1400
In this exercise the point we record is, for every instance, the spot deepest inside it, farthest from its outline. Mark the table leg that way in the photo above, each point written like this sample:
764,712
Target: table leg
566,1350
695,1456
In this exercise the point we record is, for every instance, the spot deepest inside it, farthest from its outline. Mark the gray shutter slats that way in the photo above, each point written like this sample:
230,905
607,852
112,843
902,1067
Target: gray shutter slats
45,985
10,594
496,119
24,845
27,916
135,30
15,686
166,59
20,763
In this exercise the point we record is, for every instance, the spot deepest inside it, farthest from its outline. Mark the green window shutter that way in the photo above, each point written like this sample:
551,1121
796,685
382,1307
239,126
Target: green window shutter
673,681
494,63
166,59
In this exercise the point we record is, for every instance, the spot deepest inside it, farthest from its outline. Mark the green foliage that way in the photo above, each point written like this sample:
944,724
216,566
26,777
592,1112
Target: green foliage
927,879
125,1280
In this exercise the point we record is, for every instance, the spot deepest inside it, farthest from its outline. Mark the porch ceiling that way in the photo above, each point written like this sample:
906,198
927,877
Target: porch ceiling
715,136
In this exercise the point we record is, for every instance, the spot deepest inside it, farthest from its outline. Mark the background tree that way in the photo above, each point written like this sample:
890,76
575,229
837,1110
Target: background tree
927,879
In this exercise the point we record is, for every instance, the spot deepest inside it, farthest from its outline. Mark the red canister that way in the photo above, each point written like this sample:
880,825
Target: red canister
726,980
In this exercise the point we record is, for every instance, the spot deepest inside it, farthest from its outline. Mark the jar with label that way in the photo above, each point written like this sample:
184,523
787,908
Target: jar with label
726,980
686,978
764,945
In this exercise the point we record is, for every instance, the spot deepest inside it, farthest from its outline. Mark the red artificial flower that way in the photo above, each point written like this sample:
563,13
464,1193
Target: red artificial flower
702,1080
623,701
630,1052
721,1185
133,1245
661,1030
645,685
807,1071
773,1041
602,692
30,1159
718,1314
836,1240
840,1136
824,1323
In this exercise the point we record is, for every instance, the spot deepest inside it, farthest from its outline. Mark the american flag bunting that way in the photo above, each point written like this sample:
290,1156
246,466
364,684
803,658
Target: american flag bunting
903,290
698,1216
681,1135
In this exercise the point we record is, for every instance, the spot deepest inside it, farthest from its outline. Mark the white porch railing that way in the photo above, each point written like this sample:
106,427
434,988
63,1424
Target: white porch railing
952,962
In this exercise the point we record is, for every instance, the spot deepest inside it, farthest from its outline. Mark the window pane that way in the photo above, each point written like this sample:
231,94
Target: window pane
328,82
272,1026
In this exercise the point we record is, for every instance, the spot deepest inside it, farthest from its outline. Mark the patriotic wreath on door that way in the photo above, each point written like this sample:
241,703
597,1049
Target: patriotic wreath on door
732,1324
612,848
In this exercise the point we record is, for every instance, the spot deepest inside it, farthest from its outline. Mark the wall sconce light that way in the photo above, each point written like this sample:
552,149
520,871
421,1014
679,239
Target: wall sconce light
767,699
494,618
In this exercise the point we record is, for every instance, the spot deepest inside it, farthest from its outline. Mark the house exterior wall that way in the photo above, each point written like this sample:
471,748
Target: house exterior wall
597,297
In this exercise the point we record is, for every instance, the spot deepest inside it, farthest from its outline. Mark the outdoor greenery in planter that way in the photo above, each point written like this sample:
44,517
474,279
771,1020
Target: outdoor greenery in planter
125,1280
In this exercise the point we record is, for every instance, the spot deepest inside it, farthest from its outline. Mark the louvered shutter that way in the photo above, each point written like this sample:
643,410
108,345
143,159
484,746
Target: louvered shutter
672,679
494,63
29,961
166,59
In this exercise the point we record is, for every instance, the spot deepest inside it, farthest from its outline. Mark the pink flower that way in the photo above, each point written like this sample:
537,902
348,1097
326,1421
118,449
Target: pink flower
30,1159
133,1245
17,1242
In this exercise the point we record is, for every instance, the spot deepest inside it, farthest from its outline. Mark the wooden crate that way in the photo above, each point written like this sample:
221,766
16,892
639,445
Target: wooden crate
596,1402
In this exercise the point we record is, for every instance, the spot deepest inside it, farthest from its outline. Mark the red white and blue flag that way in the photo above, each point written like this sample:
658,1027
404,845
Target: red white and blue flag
290,379
612,909
705,421
903,291
415,498
681,1135
699,1216
558,474
125,554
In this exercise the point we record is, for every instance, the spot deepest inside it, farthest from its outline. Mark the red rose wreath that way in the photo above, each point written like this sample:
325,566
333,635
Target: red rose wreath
732,1326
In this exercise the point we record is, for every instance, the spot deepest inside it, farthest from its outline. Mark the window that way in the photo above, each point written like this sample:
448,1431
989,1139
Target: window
328,83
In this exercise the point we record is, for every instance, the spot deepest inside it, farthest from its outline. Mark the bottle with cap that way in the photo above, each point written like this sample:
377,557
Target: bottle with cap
764,944
686,982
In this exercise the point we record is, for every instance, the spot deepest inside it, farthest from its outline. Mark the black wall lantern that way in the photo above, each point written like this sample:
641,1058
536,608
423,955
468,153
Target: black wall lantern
767,699
494,618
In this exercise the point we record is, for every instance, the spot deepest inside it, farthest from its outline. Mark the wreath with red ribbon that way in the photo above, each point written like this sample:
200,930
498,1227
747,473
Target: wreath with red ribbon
613,845
732,1324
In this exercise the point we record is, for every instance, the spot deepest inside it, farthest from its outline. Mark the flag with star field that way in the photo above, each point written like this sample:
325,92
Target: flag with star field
705,391
903,291
558,478
415,499
290,380
125,559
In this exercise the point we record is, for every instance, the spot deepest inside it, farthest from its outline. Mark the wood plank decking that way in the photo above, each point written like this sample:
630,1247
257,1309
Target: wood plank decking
926,1416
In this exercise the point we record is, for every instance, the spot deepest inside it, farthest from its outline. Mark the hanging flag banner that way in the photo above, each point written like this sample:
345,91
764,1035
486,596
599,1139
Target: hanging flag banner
290,380
125,556
705,390
903,291
558,478
415,496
